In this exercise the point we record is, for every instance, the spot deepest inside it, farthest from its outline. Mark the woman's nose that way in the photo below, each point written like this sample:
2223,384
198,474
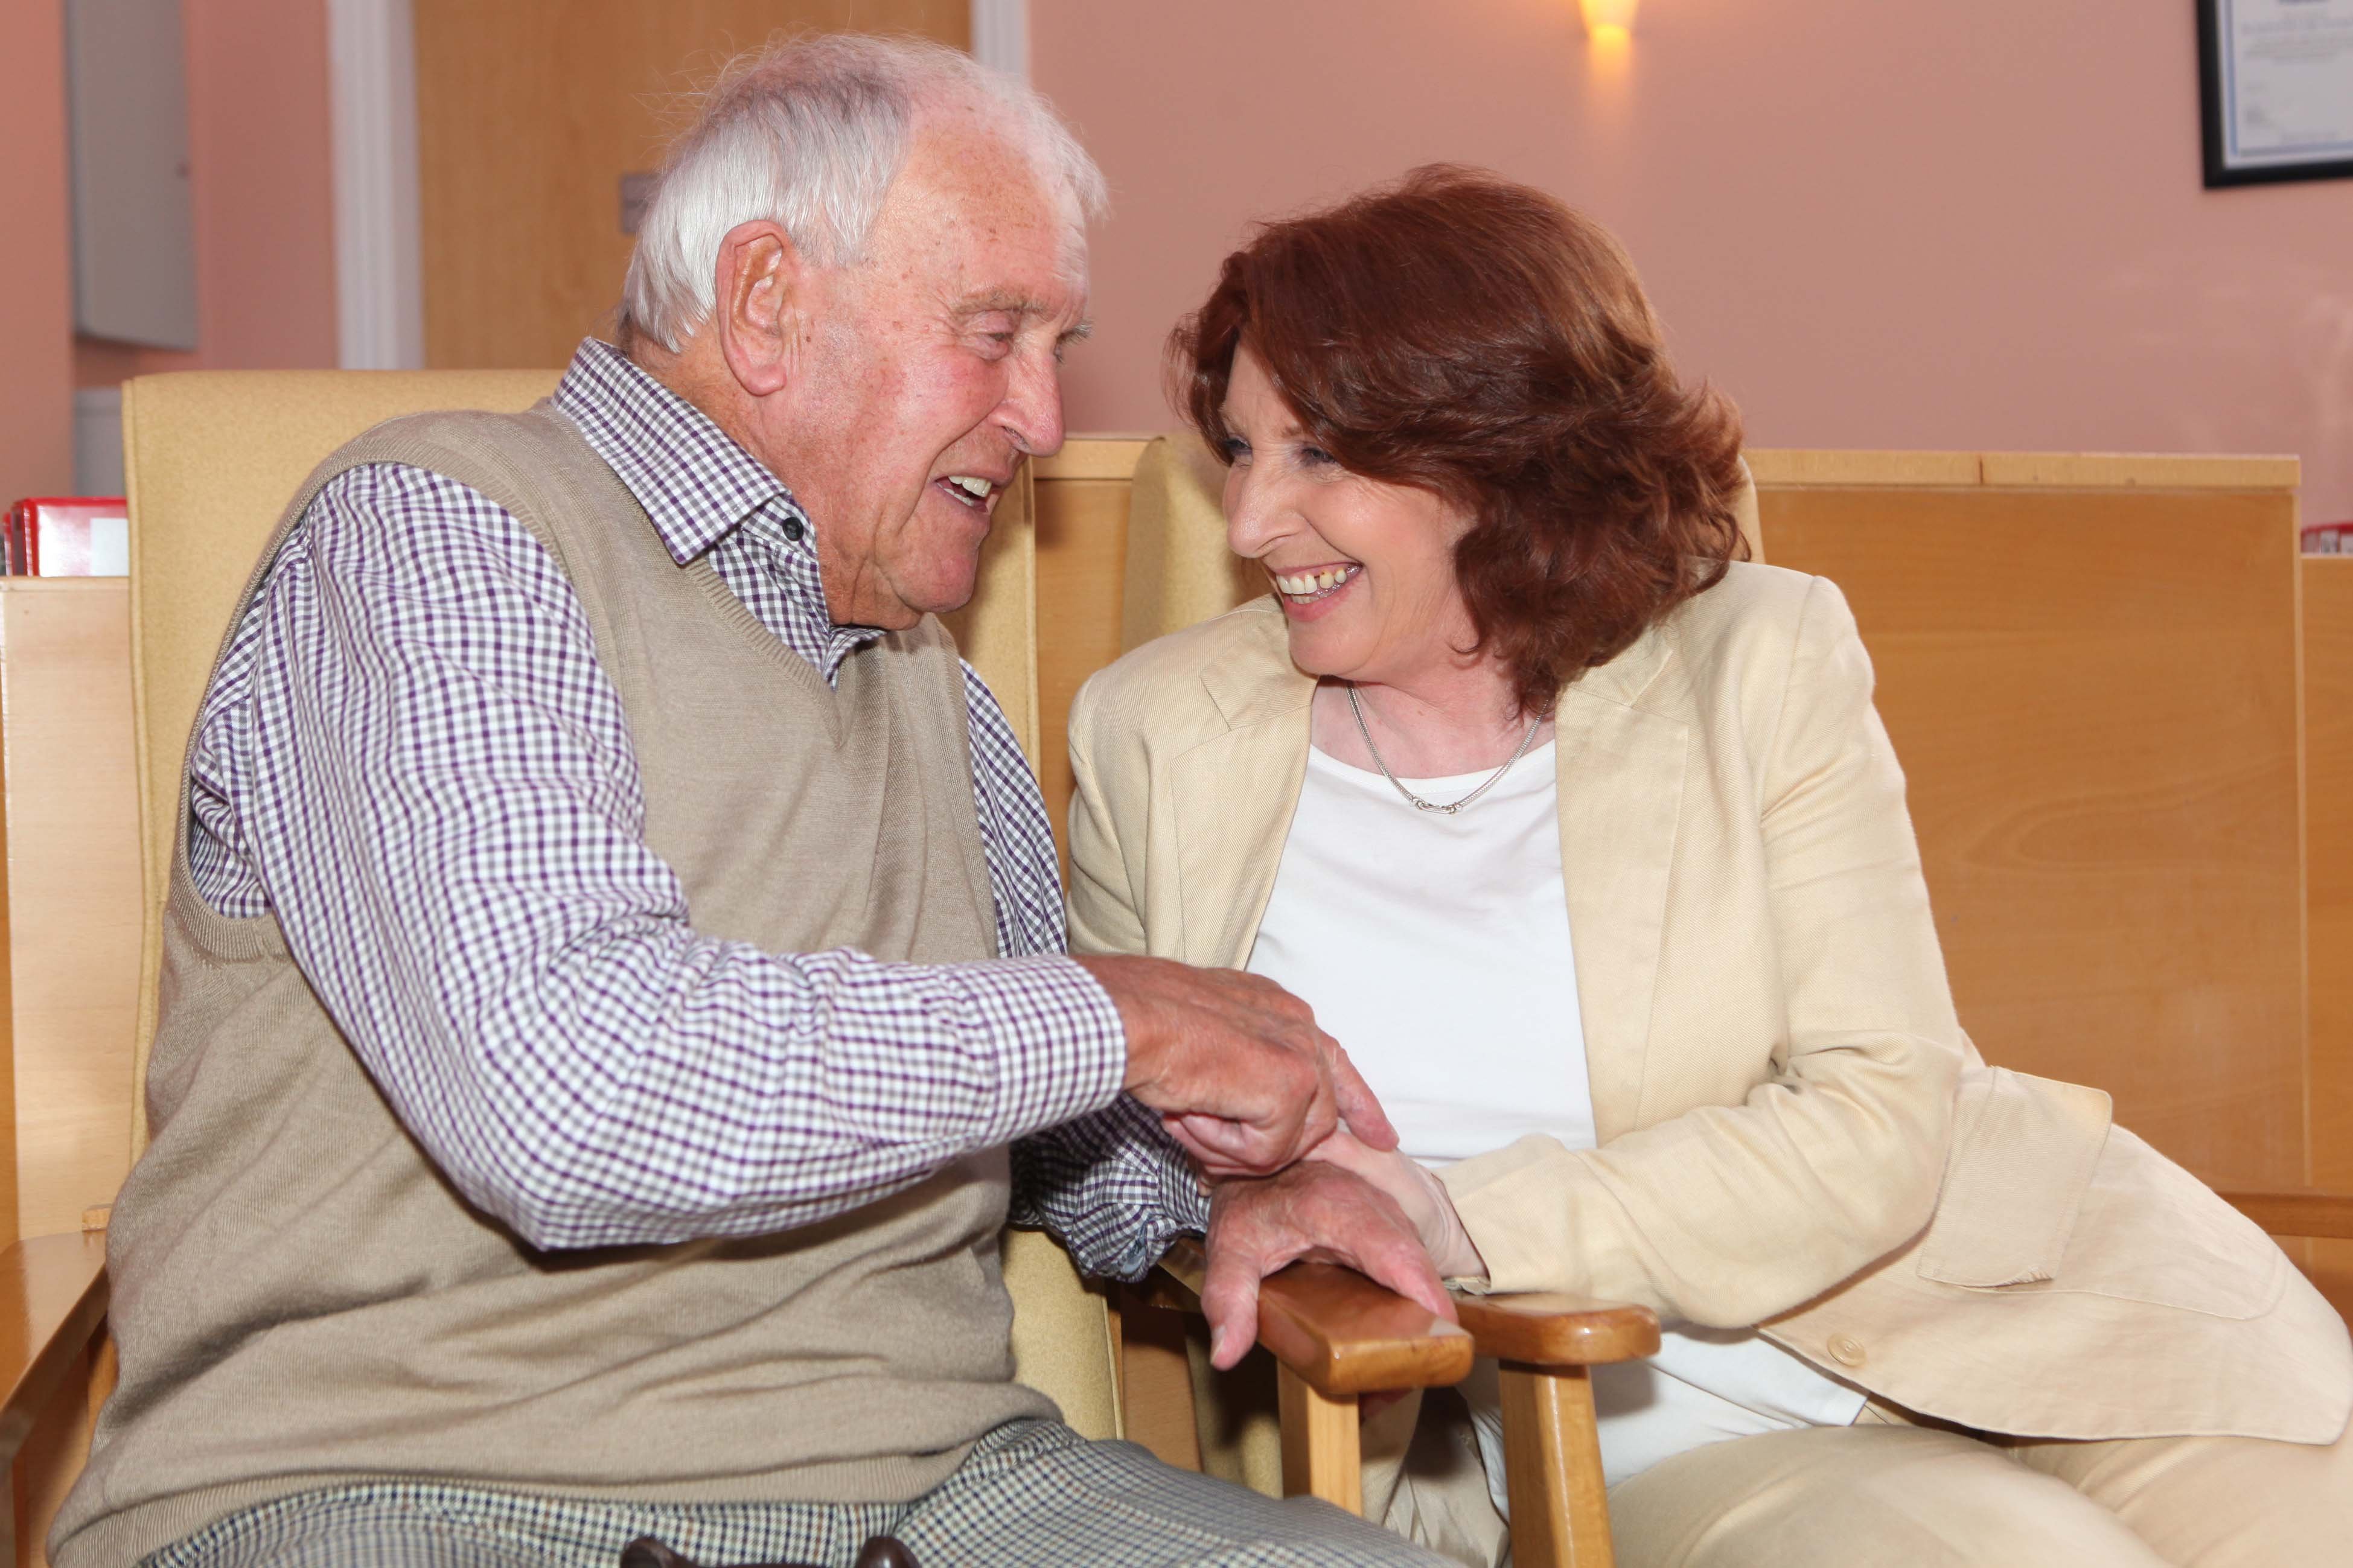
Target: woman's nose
1252,517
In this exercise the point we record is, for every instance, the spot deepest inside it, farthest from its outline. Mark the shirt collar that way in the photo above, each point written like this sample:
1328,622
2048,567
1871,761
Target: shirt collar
695,481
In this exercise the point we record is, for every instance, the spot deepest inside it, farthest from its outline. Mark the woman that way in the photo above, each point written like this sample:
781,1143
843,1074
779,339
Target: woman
1582,835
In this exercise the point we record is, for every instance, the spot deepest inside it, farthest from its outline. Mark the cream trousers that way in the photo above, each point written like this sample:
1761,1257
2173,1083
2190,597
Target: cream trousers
1887,1491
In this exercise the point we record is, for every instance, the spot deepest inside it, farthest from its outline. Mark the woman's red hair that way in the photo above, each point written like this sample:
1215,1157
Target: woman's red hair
1485,342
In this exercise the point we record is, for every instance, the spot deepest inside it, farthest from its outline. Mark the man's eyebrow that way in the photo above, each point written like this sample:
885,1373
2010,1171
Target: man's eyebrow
1007,300
1079,333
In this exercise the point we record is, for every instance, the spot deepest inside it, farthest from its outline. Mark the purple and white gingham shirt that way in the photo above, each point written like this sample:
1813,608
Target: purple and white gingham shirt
410,756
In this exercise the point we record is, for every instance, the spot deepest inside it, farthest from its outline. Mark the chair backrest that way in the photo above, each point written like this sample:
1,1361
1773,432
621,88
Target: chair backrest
211,459
1180,572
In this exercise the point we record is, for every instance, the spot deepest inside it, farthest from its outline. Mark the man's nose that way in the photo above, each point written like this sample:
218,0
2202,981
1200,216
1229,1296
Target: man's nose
1032,409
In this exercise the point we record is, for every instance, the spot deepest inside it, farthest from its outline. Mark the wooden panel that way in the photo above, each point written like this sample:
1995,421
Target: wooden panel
2328,858
2139,470
529,113
72,890
2094,695
1082,558
1781,468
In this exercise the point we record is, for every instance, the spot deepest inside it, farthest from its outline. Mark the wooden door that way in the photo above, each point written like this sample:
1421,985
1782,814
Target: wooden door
530,111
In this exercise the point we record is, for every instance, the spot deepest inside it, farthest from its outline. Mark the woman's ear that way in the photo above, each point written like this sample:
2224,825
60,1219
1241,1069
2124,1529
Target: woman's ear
759,293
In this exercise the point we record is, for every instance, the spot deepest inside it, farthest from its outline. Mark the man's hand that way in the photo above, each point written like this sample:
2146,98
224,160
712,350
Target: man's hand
1420,1196
1315,1211
1235,1065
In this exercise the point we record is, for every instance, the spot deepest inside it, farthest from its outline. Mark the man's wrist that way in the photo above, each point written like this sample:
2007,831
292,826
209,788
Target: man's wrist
1060,1047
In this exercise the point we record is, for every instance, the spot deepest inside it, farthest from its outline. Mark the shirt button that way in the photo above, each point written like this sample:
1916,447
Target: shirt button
793,530
1846,1349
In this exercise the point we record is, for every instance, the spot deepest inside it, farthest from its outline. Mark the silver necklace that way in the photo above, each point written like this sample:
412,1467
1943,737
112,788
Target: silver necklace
1450,808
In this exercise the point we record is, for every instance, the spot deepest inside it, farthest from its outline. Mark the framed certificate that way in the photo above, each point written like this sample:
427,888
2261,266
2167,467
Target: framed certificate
2276,80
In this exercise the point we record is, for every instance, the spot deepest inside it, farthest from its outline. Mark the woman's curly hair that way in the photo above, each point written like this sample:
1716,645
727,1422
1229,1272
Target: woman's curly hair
1474,338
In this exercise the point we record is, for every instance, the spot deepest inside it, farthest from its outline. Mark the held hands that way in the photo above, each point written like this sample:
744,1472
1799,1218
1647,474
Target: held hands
1315,1211
1418,1195
1300,1156
1235,1065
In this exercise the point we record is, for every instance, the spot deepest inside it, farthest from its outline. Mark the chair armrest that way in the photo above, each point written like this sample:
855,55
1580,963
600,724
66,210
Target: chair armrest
52,1299
2308,1212
1538,1328
1337,1331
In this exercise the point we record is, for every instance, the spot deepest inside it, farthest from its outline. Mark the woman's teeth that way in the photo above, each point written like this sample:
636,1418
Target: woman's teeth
1314,584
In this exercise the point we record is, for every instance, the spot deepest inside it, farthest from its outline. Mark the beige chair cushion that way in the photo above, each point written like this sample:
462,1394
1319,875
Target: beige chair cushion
210,459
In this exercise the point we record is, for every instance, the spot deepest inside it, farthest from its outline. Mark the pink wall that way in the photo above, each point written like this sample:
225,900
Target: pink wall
36,281
260,147
1888,226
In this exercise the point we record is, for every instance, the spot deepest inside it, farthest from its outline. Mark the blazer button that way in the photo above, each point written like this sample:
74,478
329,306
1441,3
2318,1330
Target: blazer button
1846,1349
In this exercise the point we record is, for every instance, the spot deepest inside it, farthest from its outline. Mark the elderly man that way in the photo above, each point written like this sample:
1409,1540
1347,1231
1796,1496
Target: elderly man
615,941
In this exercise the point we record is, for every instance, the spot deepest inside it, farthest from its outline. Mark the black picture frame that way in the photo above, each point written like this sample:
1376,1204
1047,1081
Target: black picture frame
2220,173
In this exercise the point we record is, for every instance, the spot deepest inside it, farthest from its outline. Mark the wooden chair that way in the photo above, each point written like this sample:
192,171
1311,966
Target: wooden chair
210,459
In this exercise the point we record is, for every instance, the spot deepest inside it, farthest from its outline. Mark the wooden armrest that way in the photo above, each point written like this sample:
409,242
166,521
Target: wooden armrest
2298,1213
52,1300
1538,1328
1337,1331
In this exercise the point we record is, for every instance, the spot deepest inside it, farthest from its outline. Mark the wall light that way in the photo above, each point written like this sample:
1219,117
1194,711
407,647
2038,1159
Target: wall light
1610,19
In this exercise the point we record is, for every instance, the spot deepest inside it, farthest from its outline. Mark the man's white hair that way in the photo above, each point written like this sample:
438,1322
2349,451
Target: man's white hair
809,133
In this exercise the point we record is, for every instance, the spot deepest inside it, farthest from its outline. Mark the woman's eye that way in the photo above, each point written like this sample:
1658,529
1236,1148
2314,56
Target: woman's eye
1233,448
1315,456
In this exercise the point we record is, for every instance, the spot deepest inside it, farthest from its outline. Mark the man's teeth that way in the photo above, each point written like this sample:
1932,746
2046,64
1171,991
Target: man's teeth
977,489
1299,585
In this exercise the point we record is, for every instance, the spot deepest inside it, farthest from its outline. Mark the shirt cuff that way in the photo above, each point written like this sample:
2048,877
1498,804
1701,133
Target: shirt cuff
1060,1050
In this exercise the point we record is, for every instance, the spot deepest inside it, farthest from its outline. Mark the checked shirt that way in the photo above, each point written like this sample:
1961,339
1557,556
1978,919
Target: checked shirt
416,658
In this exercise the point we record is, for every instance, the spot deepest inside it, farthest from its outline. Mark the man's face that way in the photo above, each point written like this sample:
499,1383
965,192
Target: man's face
924,372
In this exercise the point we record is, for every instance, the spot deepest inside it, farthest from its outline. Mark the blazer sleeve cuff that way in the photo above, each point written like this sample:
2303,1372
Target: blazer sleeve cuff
1520,1206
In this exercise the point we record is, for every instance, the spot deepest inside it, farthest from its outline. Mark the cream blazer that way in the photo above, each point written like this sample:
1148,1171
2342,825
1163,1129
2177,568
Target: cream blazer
1794,1130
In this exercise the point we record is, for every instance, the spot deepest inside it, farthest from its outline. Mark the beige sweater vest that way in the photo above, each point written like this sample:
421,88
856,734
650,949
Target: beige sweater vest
302,1300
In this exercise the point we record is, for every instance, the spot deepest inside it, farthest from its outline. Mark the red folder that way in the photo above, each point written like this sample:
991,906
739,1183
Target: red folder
68,536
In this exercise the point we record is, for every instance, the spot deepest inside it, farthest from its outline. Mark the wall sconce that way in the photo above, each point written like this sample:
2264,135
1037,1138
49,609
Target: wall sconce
1611,20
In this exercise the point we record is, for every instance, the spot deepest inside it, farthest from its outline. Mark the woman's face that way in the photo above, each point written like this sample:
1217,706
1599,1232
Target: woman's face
1364,570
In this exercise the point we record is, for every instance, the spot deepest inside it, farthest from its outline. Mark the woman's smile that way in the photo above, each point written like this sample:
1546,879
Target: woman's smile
1313,592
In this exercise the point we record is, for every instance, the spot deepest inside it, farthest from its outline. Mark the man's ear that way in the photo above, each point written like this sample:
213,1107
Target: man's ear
758,304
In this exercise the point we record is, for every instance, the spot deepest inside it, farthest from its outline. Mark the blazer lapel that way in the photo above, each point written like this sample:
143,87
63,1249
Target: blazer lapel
1621,772
1233,797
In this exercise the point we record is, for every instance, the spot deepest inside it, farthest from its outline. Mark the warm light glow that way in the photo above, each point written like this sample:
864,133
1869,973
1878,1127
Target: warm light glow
1612,20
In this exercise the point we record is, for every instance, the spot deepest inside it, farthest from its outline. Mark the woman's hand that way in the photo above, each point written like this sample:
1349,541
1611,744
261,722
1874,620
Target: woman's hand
1422,1197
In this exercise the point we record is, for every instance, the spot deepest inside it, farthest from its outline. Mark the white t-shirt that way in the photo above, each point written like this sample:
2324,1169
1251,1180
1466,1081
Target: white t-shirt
1435,949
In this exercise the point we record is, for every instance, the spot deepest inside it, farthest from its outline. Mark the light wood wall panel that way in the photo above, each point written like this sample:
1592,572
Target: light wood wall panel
2093,694
2328,859
72,891
529,113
